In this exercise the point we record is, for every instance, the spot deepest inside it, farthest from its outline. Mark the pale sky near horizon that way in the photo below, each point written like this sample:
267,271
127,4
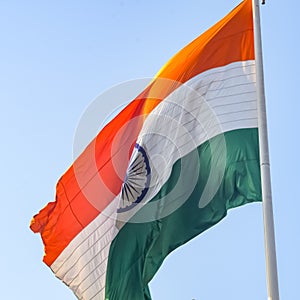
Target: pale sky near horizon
57,56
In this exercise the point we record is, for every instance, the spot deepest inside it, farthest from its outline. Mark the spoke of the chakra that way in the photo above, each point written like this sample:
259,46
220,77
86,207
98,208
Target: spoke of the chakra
139,173
132,186
124,203
135,179
126,194
141,176
135,187
137,166
130,190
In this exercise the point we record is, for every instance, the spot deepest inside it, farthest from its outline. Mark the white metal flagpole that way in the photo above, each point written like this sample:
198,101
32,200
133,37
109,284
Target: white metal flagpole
270,251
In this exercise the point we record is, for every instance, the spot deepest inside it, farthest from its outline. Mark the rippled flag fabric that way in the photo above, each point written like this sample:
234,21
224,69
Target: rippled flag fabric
165,169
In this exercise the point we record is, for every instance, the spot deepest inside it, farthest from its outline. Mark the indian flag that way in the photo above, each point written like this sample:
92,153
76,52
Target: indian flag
165,169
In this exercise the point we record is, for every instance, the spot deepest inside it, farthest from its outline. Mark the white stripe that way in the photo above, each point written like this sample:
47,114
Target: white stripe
216,101
82,265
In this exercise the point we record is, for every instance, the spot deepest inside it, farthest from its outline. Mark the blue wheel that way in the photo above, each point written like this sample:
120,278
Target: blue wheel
137,179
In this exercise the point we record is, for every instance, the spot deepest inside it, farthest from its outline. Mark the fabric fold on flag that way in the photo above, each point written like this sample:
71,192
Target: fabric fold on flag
165,169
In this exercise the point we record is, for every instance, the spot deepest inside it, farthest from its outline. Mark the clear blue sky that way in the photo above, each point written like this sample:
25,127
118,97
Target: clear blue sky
57,56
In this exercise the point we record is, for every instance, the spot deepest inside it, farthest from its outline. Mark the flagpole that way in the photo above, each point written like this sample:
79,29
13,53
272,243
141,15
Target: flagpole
270,250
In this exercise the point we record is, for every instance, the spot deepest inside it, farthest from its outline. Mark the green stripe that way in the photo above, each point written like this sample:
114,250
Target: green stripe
140,248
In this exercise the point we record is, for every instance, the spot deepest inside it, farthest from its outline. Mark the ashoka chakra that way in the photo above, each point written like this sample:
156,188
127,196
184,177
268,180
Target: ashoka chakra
137,179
